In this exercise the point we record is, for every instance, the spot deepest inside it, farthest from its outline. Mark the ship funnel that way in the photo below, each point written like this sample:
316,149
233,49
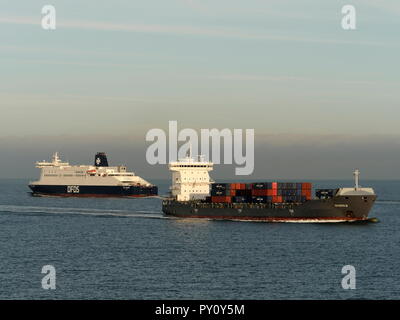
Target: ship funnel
356,174
100,160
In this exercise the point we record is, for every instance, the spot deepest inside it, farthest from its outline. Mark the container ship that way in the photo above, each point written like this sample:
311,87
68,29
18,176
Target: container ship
193,194
59,178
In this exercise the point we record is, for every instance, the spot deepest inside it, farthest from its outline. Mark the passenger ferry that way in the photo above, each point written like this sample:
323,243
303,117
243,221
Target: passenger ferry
58,178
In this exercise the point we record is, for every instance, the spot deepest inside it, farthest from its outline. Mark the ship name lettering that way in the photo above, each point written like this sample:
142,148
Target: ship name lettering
72,189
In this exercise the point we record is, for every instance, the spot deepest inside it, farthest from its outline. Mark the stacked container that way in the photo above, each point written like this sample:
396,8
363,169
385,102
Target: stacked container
261,192
228,192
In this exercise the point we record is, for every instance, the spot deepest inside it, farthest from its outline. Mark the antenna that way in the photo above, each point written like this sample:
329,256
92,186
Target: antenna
356,174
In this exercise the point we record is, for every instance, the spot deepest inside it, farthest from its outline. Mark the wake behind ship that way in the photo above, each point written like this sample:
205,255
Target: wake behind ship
194,195
59,178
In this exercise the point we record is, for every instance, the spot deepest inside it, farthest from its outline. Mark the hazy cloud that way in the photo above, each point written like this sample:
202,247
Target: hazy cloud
286,156
185,30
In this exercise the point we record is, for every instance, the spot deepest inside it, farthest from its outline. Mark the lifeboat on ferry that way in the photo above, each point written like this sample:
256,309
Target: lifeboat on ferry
93,171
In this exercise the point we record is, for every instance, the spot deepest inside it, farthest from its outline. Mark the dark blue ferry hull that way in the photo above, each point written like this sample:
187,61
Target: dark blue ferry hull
93,191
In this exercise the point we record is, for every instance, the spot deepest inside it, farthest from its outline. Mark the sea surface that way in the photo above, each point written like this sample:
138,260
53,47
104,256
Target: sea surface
127,249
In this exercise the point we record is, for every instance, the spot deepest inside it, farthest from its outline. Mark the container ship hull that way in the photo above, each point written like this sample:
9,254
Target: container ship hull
193,194
93,191
336,209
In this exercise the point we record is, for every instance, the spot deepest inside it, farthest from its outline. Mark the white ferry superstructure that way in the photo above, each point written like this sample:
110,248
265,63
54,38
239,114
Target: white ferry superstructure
59,178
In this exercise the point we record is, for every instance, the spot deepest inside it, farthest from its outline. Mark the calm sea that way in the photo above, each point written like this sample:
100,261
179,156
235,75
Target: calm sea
127,249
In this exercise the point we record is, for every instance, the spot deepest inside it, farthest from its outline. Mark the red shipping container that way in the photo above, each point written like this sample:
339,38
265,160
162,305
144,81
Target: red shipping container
272,192
221,199
274,185
233,192
307,194
306,186
276,199
259,192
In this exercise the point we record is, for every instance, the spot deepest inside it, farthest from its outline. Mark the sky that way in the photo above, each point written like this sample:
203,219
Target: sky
322,100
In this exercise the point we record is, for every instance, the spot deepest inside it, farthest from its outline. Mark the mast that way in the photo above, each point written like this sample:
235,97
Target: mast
56,158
